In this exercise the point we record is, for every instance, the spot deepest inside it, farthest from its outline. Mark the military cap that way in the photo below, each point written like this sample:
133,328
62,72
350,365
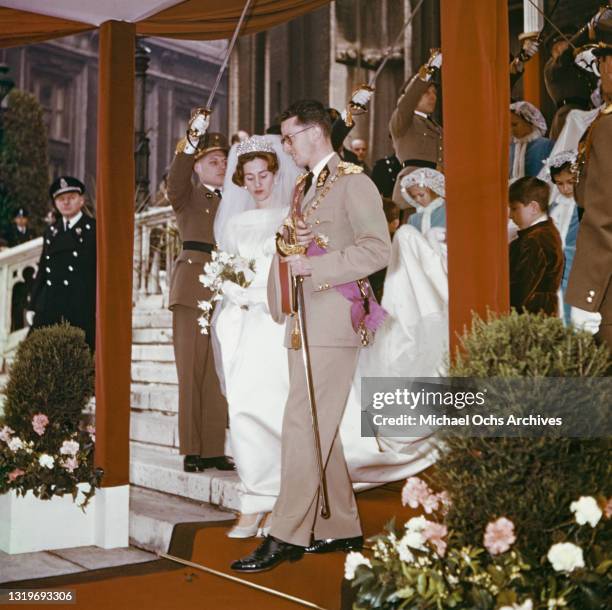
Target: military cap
21,213
210,142
603,35
66,184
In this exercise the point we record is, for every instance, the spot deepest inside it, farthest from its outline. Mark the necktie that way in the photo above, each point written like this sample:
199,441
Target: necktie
308,182
218,193
66,226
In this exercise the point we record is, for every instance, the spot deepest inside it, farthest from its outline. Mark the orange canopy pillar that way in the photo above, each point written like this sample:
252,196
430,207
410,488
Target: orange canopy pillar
115,232
476,139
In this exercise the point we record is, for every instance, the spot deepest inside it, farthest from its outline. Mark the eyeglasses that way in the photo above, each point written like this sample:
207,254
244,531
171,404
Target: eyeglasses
288,139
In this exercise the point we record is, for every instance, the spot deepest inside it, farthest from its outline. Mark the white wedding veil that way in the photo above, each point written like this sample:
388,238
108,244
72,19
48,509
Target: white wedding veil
237,199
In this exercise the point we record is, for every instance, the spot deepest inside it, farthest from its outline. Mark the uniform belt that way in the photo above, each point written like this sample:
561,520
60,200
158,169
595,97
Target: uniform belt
419,163
198,245
575,101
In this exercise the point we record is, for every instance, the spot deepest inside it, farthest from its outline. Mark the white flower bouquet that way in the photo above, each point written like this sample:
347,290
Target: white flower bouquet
222,275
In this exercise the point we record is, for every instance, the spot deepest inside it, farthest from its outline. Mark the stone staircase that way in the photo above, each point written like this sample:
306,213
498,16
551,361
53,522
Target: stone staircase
155,463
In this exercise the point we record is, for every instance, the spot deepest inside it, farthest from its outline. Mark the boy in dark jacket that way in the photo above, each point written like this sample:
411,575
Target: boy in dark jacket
536,255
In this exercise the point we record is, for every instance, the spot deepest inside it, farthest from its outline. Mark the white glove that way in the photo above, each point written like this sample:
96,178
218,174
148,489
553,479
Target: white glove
585,320
361,97
235,294
587,61
435,61
198,125
530,47
29,316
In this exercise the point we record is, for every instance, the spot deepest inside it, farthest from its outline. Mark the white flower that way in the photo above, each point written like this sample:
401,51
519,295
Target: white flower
587,511
205,305
565,557
249,275
526,605
15,444
403,550
416,524
206,280
556,603
5,434
69,448
354,559
224,258
204,324
46,461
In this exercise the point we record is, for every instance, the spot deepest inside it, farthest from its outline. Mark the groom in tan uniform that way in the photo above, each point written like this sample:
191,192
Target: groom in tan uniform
342,206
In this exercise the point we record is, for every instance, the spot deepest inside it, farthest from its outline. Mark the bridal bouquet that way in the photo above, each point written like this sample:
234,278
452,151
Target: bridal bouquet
222,273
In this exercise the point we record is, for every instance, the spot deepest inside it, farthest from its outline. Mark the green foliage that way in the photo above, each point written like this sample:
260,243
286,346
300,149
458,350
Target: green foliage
532,481
24,165
45,446
52,375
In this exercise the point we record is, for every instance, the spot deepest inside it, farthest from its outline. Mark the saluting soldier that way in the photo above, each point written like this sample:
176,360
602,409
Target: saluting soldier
336,200
589,288
202,406
569,86
64,288
417,138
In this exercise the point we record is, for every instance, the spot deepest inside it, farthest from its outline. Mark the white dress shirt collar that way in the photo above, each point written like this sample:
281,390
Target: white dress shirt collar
318,168
72,221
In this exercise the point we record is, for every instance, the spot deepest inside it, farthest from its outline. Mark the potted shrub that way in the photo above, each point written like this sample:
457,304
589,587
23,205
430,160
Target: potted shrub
47,477
515,523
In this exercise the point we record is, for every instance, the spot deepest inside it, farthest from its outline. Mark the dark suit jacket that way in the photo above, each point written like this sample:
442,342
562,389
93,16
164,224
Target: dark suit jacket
536,268
195,207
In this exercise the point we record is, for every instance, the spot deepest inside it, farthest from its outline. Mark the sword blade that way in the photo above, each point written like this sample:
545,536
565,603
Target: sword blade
537,8
395,42
230,48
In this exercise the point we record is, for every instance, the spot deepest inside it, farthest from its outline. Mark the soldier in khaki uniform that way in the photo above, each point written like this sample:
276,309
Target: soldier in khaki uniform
202,407
417,138
338,201
590,283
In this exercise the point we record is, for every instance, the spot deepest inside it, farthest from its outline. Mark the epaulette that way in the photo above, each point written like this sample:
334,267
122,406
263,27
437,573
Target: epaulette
345,168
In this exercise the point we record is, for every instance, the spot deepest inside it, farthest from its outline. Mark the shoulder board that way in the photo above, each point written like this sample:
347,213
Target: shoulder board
345,168
607,109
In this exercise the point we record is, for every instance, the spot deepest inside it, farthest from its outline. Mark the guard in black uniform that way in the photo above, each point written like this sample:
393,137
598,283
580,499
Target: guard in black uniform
19,232
65,285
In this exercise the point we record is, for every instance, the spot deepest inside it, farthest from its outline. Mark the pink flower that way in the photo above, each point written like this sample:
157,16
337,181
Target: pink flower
15,474
608,508
445,501
499,536
5,434
415,492
92,432
434,533
39,423
71,464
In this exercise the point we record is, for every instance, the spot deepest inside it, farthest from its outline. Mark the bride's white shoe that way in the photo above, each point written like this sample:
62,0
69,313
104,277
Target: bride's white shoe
246,531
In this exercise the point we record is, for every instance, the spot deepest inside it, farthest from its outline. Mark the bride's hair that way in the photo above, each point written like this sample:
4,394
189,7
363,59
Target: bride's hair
270,158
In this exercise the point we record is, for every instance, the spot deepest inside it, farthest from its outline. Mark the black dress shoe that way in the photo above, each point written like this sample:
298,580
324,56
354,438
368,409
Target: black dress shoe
191,463
268,555
220,463
329,545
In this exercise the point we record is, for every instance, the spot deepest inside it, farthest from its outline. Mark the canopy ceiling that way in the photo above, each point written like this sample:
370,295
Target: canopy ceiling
29,21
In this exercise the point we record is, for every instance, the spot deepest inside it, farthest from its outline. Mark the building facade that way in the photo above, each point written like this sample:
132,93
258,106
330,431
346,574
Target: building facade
63,75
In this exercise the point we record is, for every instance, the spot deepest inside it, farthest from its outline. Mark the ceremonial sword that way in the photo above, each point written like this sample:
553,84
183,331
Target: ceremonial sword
301,311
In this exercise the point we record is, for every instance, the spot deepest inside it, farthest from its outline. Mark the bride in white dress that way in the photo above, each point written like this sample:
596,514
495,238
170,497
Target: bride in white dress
251,359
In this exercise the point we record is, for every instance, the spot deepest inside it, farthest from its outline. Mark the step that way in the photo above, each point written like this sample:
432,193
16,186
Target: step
151,319
154,397
153,353
151,301
163,471
153,516
151,335
154,372
154,428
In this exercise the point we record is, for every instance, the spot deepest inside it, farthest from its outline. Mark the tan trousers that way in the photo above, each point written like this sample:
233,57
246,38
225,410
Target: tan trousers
296,516
202,407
